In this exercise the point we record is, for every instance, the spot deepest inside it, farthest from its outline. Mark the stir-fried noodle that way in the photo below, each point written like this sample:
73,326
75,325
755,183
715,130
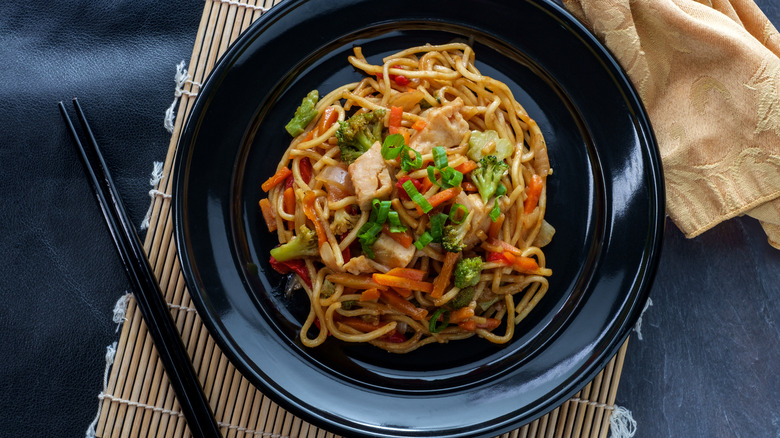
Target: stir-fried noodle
410,205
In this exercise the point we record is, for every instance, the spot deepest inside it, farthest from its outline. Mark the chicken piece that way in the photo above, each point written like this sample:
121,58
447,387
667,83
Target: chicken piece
445,127
370,177
480,220
391,253
358,265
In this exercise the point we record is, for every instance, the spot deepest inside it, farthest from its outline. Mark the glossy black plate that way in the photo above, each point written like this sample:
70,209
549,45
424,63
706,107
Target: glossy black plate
605,200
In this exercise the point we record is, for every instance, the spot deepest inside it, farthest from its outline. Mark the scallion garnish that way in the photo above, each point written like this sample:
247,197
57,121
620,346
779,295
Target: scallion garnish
495,212
415,196
500,190
425,239
394,222
381,208
458,213
439,157
392,146
437,226
367,236
407,163
450,177
435,326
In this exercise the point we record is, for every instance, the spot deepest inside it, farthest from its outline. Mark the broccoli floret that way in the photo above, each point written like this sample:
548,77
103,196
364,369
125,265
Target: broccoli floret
359,133
453,234
328,289
303,244
467,272
343,222
488,175
463,298
304,114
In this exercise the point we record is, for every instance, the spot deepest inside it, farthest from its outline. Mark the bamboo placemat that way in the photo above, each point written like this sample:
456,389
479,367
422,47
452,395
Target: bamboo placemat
137,400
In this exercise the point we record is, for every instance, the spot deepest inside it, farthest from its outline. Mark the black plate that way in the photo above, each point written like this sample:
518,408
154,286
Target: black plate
605,200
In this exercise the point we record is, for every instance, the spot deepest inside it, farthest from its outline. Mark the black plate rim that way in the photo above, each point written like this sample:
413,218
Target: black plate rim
276,392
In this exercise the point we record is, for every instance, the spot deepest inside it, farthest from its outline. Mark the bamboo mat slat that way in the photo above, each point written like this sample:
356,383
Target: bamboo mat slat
138,400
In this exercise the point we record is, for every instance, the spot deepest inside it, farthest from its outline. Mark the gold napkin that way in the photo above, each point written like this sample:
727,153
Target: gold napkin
708,73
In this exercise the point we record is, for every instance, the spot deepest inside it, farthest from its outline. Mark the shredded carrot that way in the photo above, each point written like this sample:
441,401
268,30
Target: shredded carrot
309,136
461,315
268,214
404,239
534,190
276,179
419,124
469,325
308,210
406,293
354,281
403,283
490,324
360,324
443,280
495,227
405,133
522,264
407,308
412,274
443,196
426,185
395,118
327,120
370,294
289,200
469,186
466,167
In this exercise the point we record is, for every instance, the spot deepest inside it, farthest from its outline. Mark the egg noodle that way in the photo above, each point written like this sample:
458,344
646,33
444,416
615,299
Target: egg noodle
432,234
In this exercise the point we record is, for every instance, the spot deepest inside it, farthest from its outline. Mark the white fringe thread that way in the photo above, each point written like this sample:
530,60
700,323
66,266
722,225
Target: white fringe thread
157,176
110,355
621,422
180,78
244,5
638,325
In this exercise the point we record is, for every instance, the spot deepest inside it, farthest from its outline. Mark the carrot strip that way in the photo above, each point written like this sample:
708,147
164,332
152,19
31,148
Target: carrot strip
490,324
461,315
405,239
403,283
360,325
289,200
443,196
469,325
395,118
407,308
419,124
466,167
370,294
355,281
268,214
443,280
495,227
406,293
469,186
412,274
308,210
534,190
277,178
327,120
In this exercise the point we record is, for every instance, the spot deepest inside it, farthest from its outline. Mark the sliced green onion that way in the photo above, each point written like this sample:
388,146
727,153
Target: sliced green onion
424,240
392,146
415,196
367,236
434,326
437,226
450,177
394,222
407,163
458,213
432,176
439,157
500,190
382,208
495,212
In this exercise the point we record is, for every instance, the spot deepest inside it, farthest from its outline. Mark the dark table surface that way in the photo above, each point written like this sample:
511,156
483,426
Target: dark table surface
708,365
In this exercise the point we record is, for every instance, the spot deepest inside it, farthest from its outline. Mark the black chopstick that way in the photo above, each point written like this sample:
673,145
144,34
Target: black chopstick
154,309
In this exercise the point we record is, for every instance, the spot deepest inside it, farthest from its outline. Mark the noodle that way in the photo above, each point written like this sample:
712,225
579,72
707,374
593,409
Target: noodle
440,219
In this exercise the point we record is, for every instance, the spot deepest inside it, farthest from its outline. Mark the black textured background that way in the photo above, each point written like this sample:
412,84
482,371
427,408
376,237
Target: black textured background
708,365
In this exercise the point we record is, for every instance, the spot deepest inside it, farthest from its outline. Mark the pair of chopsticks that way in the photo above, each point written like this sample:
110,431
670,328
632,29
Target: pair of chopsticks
154,309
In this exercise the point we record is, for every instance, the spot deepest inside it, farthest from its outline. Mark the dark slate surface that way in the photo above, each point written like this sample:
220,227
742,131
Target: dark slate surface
708,365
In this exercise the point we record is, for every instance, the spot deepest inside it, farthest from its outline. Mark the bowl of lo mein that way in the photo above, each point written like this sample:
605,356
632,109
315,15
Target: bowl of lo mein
435,225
